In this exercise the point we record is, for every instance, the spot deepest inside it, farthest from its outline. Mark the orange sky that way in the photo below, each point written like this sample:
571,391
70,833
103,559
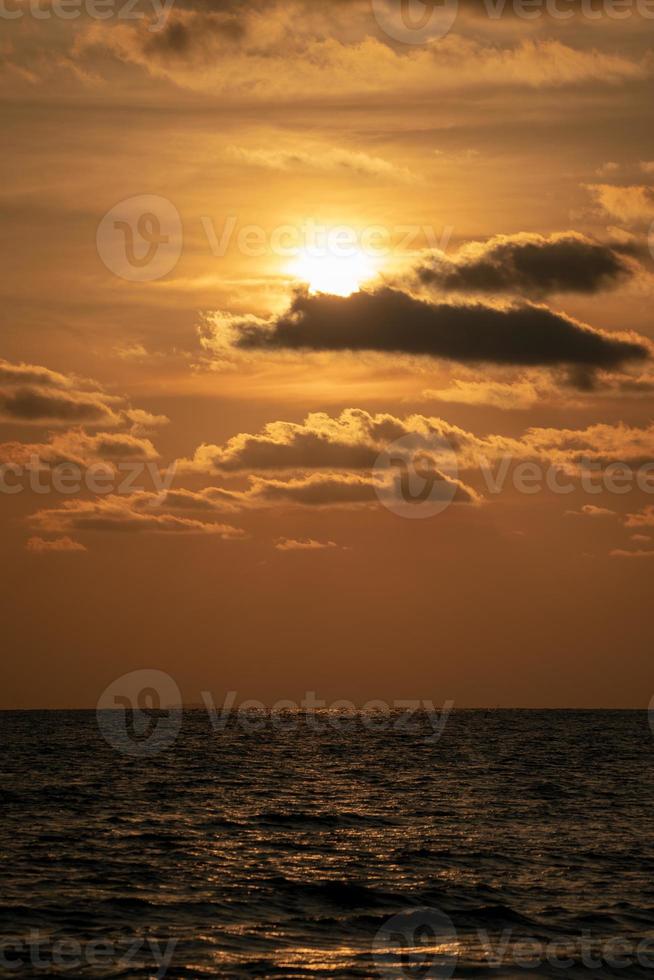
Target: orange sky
480,203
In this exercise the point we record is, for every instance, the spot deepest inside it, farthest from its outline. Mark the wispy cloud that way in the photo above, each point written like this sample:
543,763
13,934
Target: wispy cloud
42,546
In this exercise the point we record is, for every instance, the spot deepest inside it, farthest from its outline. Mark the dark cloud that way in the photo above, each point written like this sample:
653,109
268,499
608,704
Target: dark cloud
108,446
35,395
30,374
32,405
52,399
189,37
79,448
529,265
351,441
315,490
344,490
208,500
354,440
318,490
392,321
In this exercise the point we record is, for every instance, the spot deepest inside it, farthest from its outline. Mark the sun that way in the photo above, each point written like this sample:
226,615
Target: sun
337,275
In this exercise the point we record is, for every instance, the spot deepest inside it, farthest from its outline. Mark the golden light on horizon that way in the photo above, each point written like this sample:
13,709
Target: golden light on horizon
334,274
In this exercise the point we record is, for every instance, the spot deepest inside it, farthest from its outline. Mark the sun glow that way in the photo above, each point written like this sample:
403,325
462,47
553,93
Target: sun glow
337,275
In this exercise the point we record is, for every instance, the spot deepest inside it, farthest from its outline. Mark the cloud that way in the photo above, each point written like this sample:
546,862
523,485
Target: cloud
287,50
208,500
332,460
536,387
132,352
590,510
304,544
109,446
390,321
142,422
322,158
311,490
41,546
528,265
330,489
645,518
632,205
318,489
30,374
520,394
599,444
641,537
353,441
79,448
36,406
607,169
623,385
35,395
620,553
130,514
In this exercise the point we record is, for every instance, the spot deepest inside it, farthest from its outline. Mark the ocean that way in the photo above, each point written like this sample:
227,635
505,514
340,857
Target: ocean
512,843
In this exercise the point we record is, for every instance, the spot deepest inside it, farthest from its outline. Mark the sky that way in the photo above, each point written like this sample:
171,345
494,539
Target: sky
326,349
